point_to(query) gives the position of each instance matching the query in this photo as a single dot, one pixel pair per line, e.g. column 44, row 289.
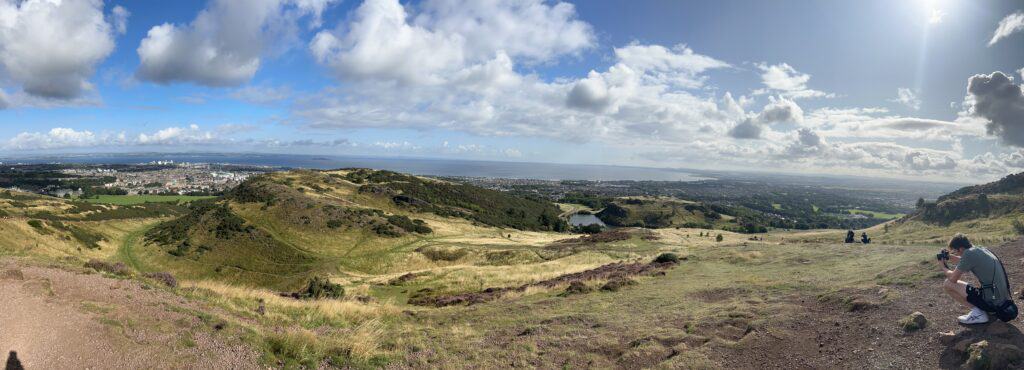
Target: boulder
column 947, row 338
column 998, row 328
column 985, row 355
column 916, row 321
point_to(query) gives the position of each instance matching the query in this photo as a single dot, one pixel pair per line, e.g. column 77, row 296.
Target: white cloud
column 1011, row 24
column 384, row 42
column 119, row 16
column 788, row 82
column 908, row 98
column 51, row 48
column 778, row 110
column 176, row 136
column 224, row 45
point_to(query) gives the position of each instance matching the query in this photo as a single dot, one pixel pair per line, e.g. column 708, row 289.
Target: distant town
column 157, row 177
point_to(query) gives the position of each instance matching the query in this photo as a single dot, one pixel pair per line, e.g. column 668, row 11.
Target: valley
column 438, row 273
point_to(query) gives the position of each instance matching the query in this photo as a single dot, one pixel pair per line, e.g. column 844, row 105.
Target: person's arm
column 953, row 275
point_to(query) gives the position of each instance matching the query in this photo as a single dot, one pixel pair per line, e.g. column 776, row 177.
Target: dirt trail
column 54, row 319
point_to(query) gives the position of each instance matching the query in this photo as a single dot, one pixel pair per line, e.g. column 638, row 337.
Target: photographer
column 993, row 296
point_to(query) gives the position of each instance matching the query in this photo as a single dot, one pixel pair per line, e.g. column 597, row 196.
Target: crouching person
column 992, row 297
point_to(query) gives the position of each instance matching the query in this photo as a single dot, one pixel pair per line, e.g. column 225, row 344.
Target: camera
column 943, row 255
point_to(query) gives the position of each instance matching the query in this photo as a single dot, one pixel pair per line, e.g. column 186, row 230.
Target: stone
column 985, row 355
column 998, row 328
column 916, row 321
column 962, row 345
column 947, row 338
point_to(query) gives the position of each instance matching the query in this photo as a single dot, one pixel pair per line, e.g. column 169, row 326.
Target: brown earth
column 53, row 318
column 830, row 334
column 618, row 271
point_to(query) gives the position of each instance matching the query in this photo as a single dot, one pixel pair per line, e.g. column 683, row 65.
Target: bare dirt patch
column 618, row 271
column 54, row 318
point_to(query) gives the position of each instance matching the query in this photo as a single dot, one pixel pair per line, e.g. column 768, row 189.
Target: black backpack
column 1006, row 311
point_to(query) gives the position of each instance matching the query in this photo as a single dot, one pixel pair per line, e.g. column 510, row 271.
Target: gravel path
column 57, row 319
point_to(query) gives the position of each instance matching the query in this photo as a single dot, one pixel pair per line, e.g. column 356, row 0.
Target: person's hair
column 959, row 241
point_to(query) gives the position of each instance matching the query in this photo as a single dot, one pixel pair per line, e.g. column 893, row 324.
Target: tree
column 920, row 203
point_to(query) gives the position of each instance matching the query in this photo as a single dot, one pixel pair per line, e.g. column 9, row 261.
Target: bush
column 615, row 284
column 38, row 225
column 164, row 277
column 667, row 258
column 1018, row 226
column 591, row 229
column 319, row 287
column 113, row 268
column 719, row 238
column 576, row 287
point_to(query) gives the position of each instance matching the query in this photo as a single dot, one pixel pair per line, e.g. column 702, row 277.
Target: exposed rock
column 947, row 338
column 916, row 321
column 998, row 328
column 985, row 355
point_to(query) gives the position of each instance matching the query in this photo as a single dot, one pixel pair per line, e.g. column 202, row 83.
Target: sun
column 934, row 11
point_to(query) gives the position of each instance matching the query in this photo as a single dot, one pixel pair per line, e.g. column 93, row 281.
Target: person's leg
column 957, row 291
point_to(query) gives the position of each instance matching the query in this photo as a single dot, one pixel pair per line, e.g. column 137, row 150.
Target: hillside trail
column 53, row 318
column 832, row 335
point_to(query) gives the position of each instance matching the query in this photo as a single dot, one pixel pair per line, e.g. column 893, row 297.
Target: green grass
column 125, row 200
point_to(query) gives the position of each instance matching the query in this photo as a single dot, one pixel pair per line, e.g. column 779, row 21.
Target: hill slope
column 1004, row 197
column 278, row 230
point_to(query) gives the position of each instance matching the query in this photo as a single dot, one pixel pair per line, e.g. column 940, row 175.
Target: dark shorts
column 974, row 298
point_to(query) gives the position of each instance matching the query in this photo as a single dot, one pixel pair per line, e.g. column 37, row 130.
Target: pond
column 584, row 220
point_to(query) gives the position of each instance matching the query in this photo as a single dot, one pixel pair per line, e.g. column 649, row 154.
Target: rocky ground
column 866, row 332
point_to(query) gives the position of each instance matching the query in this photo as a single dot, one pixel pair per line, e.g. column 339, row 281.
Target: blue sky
column 869, row 87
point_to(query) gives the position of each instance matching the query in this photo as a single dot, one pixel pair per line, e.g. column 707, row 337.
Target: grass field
column 124, row 200
column 876, row 214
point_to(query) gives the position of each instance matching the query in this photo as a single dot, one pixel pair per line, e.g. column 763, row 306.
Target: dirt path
column 54, row 318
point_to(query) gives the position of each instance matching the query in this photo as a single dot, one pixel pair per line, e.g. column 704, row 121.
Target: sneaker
column 976, row 316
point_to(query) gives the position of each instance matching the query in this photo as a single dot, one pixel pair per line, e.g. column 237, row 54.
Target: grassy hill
column 430, row 273
column 995, row 200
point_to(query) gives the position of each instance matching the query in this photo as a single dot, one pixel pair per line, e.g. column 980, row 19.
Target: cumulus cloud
column 1011, row 24
column 997, row 99
column 778, row 110
column 384, row 42
column 224, row 44
column 51, row 48
column 908, row 98
column 787, row 81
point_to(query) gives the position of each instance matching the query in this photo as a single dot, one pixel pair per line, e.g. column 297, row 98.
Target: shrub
column 667, row 258
column 591, row 229
column 36, row 224
column 117, row 268
column 719, row 238
column 615, row 284
column 320, row 287
column 164, row 277
column 1018, row 226
column 576, row 287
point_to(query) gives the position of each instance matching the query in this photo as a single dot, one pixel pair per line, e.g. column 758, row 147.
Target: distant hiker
column 864, row 238
column 993, row 296
column 849, row 236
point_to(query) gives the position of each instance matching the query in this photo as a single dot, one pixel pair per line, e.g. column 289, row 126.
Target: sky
column 924, row 89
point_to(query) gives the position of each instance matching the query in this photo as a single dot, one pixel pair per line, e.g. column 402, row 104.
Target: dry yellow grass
column 288, row 310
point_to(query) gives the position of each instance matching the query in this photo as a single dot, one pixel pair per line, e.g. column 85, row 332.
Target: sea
column 417, row 166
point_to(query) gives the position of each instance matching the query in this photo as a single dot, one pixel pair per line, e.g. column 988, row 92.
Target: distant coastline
column 418, row 166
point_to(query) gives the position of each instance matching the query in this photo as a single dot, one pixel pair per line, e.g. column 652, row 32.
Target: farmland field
column 137, row 199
